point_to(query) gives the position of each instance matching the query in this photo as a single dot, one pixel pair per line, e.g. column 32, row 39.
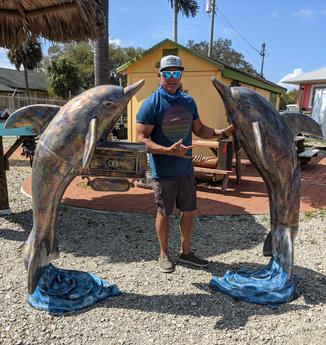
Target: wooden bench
column 215, row 173
column 306, row 155
column 223, row 150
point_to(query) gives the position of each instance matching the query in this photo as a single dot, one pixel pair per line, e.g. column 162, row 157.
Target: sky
column 293, row 30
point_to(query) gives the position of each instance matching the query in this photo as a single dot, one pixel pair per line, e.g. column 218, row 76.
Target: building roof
column 318, row 75
column 227, row 70
column 56, row 20
column 13, row 79
column 5, row 88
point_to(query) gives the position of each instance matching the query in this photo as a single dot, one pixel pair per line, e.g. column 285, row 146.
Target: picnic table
column 304, row 154
column 21, row 133
column 223, row 150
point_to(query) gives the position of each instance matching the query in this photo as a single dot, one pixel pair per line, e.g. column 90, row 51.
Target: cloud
column 4, row 62
column 115, row 41
column 304, row 13
column 275, row 15
column 295, row 73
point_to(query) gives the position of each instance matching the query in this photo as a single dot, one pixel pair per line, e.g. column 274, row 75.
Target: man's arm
column 143, row 133
column 205, row 132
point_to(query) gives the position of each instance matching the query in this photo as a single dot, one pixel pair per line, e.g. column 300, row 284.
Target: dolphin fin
column 90, row 143
column 37, row 261
column 37, row 115
column 300, row 123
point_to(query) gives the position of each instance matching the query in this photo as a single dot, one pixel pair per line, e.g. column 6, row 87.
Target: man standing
column 165, row 123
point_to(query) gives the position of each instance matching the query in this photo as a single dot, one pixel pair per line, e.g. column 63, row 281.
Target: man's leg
column 162, row 231
column 165, row 194
column 187, row 204
column 186, row 227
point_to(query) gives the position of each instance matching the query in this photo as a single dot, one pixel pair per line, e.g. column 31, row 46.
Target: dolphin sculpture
column 269, row 144
column 65, row 148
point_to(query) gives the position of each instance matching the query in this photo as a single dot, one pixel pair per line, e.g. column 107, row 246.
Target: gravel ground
column 156, row 308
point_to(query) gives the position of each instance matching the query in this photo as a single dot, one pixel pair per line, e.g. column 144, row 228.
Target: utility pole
column 262, row 54
column 175, row 20
column 210, row 8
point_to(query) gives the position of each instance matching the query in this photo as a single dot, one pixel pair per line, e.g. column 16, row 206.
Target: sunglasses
column 168, row 74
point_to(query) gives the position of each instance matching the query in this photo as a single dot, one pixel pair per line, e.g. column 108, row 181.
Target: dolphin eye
column 107, row 103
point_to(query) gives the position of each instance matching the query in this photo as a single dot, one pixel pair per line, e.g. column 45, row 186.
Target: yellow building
column 196, row 80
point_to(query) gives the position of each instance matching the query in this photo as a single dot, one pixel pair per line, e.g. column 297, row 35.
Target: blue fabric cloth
column 171, row 97
column 172, row 117
column 60, row 291
column 269, row 285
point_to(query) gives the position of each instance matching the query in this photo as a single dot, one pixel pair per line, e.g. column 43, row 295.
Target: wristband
column 223, row 134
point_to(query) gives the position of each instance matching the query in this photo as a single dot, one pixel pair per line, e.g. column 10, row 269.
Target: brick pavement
column 250, row 197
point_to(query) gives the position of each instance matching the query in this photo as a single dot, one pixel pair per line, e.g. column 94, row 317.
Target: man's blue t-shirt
column 171, row 116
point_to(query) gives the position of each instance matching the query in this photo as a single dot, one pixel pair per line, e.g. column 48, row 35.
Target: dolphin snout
column 130, row 90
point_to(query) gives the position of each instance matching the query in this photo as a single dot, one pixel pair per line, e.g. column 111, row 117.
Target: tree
column 29, row 55
column 101, row 57
column 288, row 98
column 187, row 8
column 119, row 56
column 222, row 50
column 82, row 56
column 63, row 77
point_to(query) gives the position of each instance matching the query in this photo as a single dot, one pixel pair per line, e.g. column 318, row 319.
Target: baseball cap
column 170, row 61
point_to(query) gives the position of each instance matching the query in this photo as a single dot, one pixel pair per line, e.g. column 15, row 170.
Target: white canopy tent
column 319, row 109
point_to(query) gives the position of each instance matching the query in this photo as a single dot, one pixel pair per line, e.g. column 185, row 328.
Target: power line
column 233, row 28
column 259, row 33
column 249, row 21
column 233, row 34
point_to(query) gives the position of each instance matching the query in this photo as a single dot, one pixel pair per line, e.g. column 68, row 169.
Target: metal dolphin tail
column 300, row 123
column 37, row 115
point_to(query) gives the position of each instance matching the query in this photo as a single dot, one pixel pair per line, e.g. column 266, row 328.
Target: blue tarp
column 60, row 291
column 269, row 285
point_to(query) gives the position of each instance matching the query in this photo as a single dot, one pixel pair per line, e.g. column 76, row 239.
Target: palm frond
column 56, row 20
column 186, row 7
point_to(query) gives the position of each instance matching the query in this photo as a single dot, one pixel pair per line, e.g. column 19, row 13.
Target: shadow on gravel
column 230, row 314
column 132, row 238
column 25, row 221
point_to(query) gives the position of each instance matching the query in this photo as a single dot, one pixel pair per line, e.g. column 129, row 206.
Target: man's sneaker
column 193, row 260
column 165, row 264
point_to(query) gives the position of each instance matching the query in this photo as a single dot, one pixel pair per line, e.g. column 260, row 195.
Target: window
column 273, row 98
column 165, row 52
column 171, row 51
column 316, row 92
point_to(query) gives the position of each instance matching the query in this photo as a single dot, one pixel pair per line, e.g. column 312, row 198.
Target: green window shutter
column 273, row 98
column 171, row 51
column 165, row 52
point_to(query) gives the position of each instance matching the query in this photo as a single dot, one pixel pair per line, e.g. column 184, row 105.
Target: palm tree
column 187, row 8
column 101, row 56
column 28, row 54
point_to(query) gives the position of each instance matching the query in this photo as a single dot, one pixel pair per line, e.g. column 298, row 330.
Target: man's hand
column 179, row 150
column 229, row 130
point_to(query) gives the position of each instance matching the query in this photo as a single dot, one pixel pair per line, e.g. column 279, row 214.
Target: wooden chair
column 223, row 151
